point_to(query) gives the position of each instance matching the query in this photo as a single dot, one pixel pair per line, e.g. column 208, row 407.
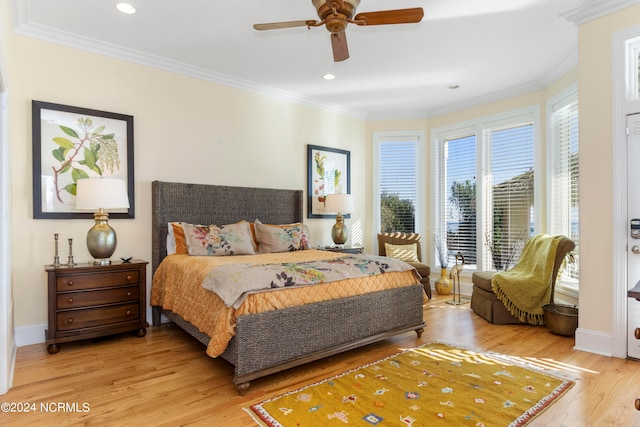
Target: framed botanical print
column 72, row 143
column 329, row 172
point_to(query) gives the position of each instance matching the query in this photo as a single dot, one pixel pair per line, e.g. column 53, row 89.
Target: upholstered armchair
column 407, row 247
column 536, row 251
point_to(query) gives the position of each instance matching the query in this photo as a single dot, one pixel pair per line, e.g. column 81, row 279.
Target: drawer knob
column 128, row 293
column 70, row 300
column 70, row 320
column 128, row 312
column 637, row 404
column 636, row 333
column 129, row 278
column 70, row 283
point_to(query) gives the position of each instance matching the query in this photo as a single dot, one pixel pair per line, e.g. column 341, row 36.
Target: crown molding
column 596, row 9
column 26, row 28
column 566, row 65
column 579, row 15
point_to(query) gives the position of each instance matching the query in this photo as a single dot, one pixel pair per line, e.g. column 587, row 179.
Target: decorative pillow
column 176, row 243
column 281, row 238
column 406, row 253
column 230, row 239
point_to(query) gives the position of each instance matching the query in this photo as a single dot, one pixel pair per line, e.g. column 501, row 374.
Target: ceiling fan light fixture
column 324, row 7
column 318, row 3
column 126, row 8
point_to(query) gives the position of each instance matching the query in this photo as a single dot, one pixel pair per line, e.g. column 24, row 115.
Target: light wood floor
column 165, row 378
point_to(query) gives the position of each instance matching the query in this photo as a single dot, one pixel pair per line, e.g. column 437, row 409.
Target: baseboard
column 27, row 335
column 586, row 340
column 594, row 342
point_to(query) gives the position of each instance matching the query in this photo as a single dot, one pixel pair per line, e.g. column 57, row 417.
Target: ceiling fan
column 337, row 14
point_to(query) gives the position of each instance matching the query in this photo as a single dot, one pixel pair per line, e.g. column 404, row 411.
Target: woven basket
column 561, row 319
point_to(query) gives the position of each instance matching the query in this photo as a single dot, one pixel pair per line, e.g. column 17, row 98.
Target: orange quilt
column 177, row 286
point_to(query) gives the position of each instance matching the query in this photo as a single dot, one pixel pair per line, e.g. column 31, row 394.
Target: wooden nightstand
column 344, row 249
column 89, row 301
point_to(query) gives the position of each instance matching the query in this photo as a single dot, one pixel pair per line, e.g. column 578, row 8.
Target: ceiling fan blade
column 279, row 25
column 339, row 45
column 384, row 17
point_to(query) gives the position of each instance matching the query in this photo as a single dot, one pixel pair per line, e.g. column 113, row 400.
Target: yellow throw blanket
column 527, row 287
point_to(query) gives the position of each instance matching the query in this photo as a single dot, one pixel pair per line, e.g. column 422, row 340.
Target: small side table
column 90, row 301
column 344, row 249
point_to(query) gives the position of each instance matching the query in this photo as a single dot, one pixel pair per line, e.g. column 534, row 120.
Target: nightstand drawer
column 74, row 282
column 91, row 317
column 105, row 296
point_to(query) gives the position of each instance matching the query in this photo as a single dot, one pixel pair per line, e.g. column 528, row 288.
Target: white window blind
column 508, row 208
column 633, row 70
column 459, row 176
column 565, row 175
column 398, row 189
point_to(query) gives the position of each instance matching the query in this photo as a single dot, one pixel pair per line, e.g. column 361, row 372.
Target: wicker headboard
column 215, row 204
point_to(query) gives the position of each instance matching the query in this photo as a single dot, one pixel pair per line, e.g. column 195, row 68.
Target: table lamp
column 99, row 194
column 339, row 204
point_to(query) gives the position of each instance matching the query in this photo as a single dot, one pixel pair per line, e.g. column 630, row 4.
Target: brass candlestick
column 70, row 262
column 56, row 258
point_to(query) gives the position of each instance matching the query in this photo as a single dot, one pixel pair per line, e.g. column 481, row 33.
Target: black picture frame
column 333, row 160
column 66, row 146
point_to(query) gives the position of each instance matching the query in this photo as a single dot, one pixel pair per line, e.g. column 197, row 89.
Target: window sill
column 567, row 292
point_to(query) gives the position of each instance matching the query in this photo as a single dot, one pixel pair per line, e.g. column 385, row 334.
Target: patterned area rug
column 431, row 385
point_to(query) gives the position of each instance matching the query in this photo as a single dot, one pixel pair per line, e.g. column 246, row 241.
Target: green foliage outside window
column 396, row 214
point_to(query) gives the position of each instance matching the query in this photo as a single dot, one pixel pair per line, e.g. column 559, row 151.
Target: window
column 484, row 190
column 459, row 201
column 397, row 181
column 633, row 68
column 563, row 182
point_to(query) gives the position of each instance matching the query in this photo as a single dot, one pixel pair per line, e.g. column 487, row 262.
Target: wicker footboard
column 273, row 341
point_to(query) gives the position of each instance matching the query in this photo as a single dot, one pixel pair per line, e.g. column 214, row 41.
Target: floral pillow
column 213, row 240
column 281, row 238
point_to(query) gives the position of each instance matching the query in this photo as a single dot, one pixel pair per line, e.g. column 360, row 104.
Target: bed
column 266, row 342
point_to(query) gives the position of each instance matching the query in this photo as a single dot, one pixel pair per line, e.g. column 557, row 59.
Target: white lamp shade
column 101, row 193
column 338, row 203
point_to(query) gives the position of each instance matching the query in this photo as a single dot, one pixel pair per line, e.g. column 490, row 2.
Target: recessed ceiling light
column 127, row 8
column 328, row 76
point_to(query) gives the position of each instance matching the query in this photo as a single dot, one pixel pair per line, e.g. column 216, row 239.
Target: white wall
column 186, row 130
column 600, row 200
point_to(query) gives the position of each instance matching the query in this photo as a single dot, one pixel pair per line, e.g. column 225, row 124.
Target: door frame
column 7, row 330
column 621, row 108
